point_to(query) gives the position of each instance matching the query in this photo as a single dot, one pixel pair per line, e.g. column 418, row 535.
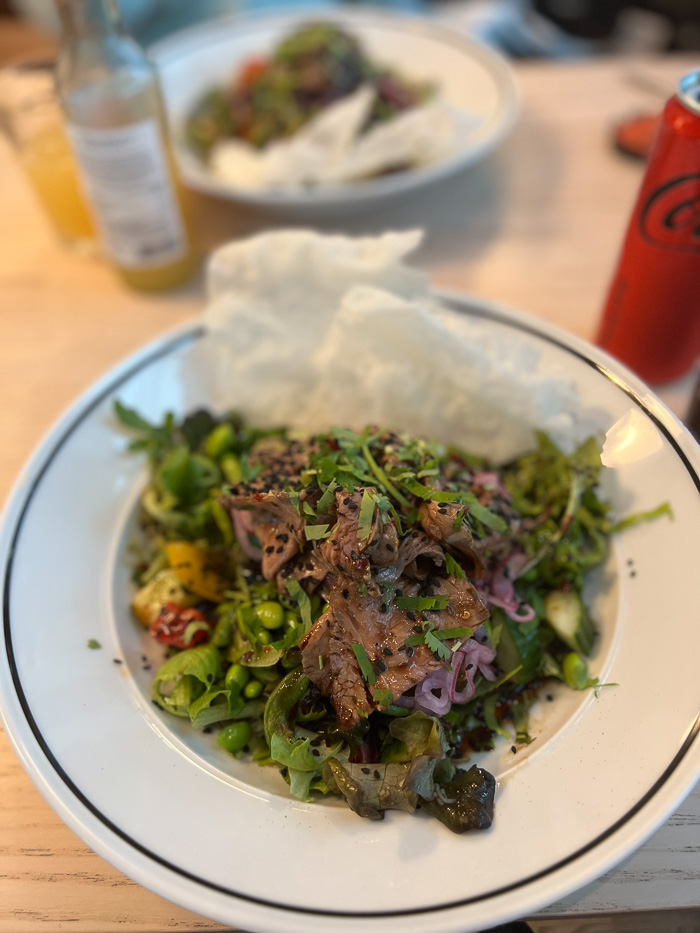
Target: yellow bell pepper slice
column 198, row 569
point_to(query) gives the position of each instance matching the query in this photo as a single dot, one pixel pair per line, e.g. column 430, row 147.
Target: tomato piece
column 170, row 628
column 251, row 71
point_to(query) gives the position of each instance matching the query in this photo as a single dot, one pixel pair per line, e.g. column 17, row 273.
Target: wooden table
column 536, row 226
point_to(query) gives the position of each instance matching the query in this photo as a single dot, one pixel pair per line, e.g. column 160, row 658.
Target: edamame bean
column 264, row 637
column 252, row 689
column 219, row 441
column 271, row 614
column 236, row 676
column 235, row 737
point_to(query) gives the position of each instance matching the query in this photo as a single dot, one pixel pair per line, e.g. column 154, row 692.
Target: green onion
column 364, row 523
column 365, row 666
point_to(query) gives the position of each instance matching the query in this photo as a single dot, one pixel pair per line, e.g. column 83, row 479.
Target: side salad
column 271, row 98
column 364, row 611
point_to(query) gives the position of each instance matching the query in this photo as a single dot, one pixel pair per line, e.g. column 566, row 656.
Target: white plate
column 222, row 837
column 469, row 75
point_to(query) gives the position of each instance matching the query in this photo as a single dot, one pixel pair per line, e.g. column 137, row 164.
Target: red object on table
column 651, row 320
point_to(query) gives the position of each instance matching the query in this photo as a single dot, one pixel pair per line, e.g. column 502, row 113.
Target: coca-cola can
column 651, row 319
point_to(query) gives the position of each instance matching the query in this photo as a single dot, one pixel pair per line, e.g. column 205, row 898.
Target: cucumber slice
column 566, row 614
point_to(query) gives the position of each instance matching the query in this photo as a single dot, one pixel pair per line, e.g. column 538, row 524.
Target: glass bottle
column 116, row 122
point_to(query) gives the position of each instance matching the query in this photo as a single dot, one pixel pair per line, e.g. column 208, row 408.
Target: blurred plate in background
column 468, row 75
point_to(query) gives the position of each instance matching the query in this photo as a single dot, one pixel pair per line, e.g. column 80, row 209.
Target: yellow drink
column 49, row 164
column 116, row 123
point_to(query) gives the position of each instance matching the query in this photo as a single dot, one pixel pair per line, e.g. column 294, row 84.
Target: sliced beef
column 418, row 556
column 275, row 523
column 345, row 553
column 381, row 629
column 439, row 520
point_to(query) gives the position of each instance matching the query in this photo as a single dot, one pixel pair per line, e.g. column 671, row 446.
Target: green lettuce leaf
column 421, row 734
column 185, row 677
column 371, row 789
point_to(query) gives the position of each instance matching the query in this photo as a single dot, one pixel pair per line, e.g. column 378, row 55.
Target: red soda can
column 651, row 320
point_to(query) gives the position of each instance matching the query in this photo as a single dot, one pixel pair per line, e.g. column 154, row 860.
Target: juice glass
column 31, row 119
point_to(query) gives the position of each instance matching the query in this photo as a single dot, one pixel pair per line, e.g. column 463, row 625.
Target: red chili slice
column 171, row 625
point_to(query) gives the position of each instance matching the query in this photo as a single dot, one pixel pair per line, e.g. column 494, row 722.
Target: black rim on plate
column 174, row 345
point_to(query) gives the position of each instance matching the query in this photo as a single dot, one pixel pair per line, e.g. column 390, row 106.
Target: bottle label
column 128, row 181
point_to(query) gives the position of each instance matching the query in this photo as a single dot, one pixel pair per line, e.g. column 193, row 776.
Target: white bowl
column 469, row 75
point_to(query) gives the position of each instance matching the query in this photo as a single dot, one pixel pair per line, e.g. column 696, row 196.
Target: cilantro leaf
column 316, row 532
column 436, row 646
column 453, row 567
column 422, row 603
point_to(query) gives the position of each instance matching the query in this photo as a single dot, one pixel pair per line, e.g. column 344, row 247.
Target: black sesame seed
column 284, row 538
column 411, row 615
column 513, row 749
column 270, row 549
column 417, row 629
column 315, row 751
column 146, row 667
column 409, row 651
column 379, row 666
column 119, row 661
column 364, row 770
column 550, row 697
column 346, row 594
column 469, row 667
column 346, row 500
column 353, row 506
column 206, row 730
column 376, row 774
column 210, row 677
column 389, row 547
column 388, row 652
column 279, row 549
column 382, row 608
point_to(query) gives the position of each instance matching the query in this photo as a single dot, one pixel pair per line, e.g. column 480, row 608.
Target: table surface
column 536, row 226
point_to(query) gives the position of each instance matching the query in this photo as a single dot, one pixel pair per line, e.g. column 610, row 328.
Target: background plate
column 469, row 75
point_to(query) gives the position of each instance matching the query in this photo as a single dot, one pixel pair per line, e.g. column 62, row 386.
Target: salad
column 312, row 68
column 364, row 611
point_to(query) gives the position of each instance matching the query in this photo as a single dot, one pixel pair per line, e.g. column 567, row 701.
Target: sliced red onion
column 243, row 527
column 500, row 591
column 425, row 697
column 471, row 657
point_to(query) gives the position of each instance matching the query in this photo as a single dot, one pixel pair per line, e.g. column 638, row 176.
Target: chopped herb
column 365, row 665
column 487, row 517
column 436, row 646
column 383, row 697
column 302, row 599
column 316, row 532
column 94, row 644
column 453, row 567
column 364, row 522
column 423, row 603
column 327, row 499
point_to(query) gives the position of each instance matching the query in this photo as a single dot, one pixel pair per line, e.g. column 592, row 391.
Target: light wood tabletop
column 536, row 226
